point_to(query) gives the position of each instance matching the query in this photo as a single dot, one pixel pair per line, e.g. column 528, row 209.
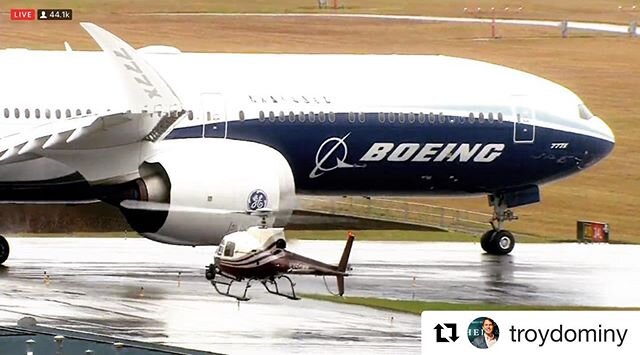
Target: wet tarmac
column 131, row 288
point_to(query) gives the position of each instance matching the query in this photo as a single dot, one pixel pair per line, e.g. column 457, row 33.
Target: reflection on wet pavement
column 143, row 290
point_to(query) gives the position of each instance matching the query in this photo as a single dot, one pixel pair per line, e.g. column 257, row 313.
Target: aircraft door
column 213, row 115
column 524, row 129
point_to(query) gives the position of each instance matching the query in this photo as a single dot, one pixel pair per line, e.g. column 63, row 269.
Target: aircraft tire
column 485, row 241
column 4, row 249
column 502, row 242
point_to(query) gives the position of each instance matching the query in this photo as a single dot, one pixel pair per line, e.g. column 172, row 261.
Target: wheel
column 4, row 250
column 485, row 241
column 501, row 243
column 210, row 272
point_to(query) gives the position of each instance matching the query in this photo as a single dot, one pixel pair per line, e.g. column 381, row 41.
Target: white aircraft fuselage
column 255, row 129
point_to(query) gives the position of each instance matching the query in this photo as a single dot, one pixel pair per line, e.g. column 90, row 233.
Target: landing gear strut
column 4, row 250
column 498, row 241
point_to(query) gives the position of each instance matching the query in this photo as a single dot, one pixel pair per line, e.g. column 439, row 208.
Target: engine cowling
column 196, row 176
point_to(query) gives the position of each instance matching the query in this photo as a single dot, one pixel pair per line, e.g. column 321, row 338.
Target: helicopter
column 255, row 254
column 259, row 254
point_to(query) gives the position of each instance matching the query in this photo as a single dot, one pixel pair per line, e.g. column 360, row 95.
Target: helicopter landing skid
column 273, row 281
column 222, row 283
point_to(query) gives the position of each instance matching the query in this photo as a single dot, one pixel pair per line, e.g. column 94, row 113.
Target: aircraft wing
column 151, row 111
column 93, row 131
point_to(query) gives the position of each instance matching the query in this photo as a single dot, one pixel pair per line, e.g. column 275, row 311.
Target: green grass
column 416, row 307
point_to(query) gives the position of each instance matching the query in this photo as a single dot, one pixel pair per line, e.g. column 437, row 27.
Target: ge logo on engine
column 257, row 200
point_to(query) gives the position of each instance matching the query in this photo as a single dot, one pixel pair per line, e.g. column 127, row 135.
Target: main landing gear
column 4, row 250
column 498, row 241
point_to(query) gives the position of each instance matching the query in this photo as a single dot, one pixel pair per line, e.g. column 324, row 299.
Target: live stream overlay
column 41, row 14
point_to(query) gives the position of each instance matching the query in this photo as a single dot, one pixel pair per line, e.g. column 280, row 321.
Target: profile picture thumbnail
column 483, row 332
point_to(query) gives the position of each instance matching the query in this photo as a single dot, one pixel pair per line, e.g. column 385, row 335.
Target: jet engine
column 207, row 188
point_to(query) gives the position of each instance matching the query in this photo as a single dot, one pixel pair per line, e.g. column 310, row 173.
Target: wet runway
column 568, row 274
column 130, row 288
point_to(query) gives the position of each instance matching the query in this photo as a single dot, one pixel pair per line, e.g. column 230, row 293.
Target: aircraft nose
column 600, row 147
column 609, row 139
column 604, row 130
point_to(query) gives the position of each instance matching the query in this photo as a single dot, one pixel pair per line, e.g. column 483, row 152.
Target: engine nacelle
column 203, row 181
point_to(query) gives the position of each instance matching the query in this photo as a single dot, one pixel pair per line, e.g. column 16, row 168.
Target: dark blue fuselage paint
column 325, row 157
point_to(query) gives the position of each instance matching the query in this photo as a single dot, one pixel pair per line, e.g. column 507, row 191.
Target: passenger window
column 472, row 119
column 401, row 117
column 47, row 113
column 37, row 112
column 500, row 117
column 442, row 118
column 312, row 117
column 352, row 117
column 421, row 117
column 27, row 114
column 292, row 116
column 272, row 116
column 261, row 116
column 58, row 114
column 78, row 112
column 6, row 113
column 481, row 117
column 301, row 117
column 362, row 118
column 190, row 115
column 490, row 117
column 332, row 117
column 16, row 113
column 89, row 112
column 381, row 117
column 281, row 117
column 432, row 118
column 321, row 117
column 68, row 113
column 391, row 117
column 412, row 118
column 241, row 115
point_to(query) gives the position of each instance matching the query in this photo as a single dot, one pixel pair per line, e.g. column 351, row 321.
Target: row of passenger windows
column 382, row 117
column 352, row 117
column 46, row 113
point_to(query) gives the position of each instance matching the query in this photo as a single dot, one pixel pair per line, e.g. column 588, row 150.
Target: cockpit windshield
column 585, row 114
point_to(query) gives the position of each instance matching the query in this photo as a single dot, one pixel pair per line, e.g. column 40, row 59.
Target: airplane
column 250, row 131
column 259, row 254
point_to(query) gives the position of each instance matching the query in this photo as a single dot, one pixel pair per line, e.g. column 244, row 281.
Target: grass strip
column 416, row 307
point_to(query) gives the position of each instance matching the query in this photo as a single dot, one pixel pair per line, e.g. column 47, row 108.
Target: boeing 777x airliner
column 199, row 132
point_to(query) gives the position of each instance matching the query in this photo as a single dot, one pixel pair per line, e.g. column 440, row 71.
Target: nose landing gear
column 498, row 241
